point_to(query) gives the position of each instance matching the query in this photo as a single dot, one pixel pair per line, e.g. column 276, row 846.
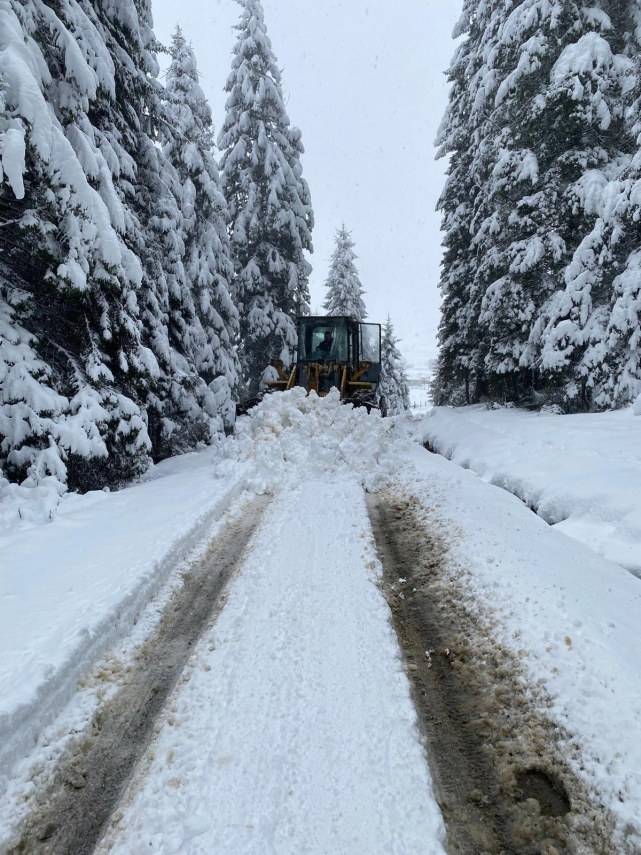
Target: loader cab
column 340, row 341
column 334, row 353
column 324, row 340
column 338, row 353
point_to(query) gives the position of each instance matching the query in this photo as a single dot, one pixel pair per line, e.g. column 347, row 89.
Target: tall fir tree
column 590, row 86
column 601, row 310
column 269, row 201
column 393, row 390
column 68, row 279
column 188, row 146
column 180, row 407
column 539, row 92
column 344, row 290
column 459, row 373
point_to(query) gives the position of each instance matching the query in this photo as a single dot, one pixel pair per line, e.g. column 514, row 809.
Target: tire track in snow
column 501, row 779
column 72, row 815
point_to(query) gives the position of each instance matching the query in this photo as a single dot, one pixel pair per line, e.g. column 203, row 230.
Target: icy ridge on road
column 295, row 731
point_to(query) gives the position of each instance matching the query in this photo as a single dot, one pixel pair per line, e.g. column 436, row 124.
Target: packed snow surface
column 580, row 473
column 295, row 731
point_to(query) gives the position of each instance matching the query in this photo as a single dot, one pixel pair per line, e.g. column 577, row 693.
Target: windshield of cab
column 323, row 340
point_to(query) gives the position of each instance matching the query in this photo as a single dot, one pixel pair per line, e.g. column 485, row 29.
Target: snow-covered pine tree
column 539, row 94
column 344, row 290
column 393, row 390
column 617, row 372
column 178, row 402
column 149, row 189
column 269, row 201
column 188, row 146
column 68, row 280
column 459, row 376
column 590, row 88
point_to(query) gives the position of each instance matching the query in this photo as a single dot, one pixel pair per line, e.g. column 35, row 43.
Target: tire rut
column 73, row 813
column 499, row 771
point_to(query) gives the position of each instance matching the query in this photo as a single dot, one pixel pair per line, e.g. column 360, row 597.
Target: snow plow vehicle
column 335, row 353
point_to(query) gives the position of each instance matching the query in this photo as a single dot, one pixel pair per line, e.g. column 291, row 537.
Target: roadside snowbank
column 22, row 505
column 70, row 589
column 580, row 473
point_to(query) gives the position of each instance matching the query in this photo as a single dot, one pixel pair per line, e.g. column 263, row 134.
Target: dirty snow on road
column 294, row 729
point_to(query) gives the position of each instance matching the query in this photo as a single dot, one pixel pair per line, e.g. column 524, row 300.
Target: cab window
column 370, row 342
column 316, row 345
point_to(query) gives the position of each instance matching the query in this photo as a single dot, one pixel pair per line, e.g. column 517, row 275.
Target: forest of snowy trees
column 147, row 280
column 141, row 292
column 542, row 207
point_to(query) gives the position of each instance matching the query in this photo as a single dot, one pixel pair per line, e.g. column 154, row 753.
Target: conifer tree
column 68, row 280
column 590, row 84
column 539, row 92
column 269, row 201
column 188, row 146
column 150, row 189
column 181, row 409
column 616, row 352
column 393, row 390
column 344, row 290
column 459, row 376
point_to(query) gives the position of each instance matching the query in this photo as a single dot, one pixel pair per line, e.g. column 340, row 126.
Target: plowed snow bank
column 580, row 473
column 70, row 588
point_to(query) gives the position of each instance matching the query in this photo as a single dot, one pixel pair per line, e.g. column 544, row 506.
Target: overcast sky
column 364, row 81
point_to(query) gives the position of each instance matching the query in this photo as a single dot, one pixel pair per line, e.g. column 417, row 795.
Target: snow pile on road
column 580, row 473
column 290, row 436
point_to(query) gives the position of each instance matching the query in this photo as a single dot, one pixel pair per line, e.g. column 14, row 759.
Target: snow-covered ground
column 420, row 399
column 581, row 473
column 71, row 587
column 304, row 645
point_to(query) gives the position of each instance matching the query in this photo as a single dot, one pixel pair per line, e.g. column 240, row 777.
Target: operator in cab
column 325, row 346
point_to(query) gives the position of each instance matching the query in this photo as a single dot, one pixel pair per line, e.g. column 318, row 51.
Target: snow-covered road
column 295, row 731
